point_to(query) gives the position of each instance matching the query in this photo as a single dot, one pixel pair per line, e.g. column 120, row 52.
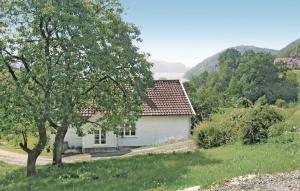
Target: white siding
column 73, row 139
column 157, row 129
column 150, row 130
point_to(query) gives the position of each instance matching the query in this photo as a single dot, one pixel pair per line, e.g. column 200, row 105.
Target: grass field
column 157, row 172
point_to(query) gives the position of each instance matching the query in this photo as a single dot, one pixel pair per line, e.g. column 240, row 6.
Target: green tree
column 70, row 55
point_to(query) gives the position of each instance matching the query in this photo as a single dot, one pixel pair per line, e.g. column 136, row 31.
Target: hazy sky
column 188, row 31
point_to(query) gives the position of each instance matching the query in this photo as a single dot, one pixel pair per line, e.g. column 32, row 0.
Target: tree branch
column 26, row 65
column 53, row 124
column 94, row 85
column 24, row 144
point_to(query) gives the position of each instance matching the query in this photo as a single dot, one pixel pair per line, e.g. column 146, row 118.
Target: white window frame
column 98, row 139
column 124, row 129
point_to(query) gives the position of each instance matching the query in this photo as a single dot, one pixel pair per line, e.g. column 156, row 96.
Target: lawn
column 157, row 172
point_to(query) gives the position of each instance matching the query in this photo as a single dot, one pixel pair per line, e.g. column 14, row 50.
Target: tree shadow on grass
column 145, row 172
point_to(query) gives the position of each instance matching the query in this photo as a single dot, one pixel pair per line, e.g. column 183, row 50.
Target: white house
column 166, row 115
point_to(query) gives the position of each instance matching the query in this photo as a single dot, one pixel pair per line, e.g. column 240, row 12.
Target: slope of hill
column 210, row 64
column 291, row 50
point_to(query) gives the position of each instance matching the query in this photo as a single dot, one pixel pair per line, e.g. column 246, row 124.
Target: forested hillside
column 291, row 50
column 210, row 64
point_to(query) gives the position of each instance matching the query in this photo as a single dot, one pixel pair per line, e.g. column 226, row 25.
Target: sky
column 189, row 31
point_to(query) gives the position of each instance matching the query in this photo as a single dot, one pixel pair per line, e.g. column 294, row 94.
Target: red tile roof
column 166, row 98
column 88, row 112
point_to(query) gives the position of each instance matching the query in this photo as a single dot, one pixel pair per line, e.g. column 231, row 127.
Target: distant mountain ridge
column 167, row 67
column 210, row 64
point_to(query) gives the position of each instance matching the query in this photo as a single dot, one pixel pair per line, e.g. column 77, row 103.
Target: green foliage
column 244, row 102
column 217, row 131
column 280, row 103
column 71, row 55
column 291, row 50
column 250, row 125
column 213, row 134
column 263, row 100
column 205, row 101
column 255, row 123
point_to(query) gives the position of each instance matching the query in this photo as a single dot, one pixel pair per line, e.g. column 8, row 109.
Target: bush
column 212, row 135
column 244, row 102
column 217, row 131
column 281, row 103
column 263, row 100
column 251, row 125
column 282, row 133
column 255, row 123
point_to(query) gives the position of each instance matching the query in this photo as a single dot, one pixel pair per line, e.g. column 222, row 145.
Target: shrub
column 251, row 125
column 244, row 102
column 255, row 123
column 263, row 100
column 213, row 135
column 217, row 131
column 281, row 103
column 282, row 132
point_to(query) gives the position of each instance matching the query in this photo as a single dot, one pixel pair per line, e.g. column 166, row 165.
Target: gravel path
column 289, row 181
column 20, row 159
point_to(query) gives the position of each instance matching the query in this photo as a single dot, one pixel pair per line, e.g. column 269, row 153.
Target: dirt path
column 20, row 159
column 289, row 181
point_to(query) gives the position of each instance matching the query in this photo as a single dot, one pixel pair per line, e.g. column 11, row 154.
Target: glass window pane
column 127, row 132
column 103, row 137
column 133, row 130
column 96, row 137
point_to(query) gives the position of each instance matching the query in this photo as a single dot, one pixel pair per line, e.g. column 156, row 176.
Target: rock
column 288, row 181
column 194, row 188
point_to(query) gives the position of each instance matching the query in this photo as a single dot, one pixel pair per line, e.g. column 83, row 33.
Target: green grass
column 157, row 172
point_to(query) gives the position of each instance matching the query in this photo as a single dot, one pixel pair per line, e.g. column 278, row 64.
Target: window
column 127, row 131
column 103, row 137
column 96, row 137
column 99, row 138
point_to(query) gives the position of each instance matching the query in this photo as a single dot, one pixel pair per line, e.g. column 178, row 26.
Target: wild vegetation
column 240, row 81
column 291, row 50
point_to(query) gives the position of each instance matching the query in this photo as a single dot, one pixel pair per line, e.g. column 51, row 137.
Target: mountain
column 210, row 64
column 291, row 50
column 167, row 67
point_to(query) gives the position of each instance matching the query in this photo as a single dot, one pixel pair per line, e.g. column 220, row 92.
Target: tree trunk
column 36, row 151
column 58, row 145
column 31, row 161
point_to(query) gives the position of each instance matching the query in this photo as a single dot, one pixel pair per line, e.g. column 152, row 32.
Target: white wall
column 157, row 129
column 73, row 139
column 150, row 130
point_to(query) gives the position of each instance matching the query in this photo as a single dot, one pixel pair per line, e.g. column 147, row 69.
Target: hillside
column 291, row 50
column 210, row 63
